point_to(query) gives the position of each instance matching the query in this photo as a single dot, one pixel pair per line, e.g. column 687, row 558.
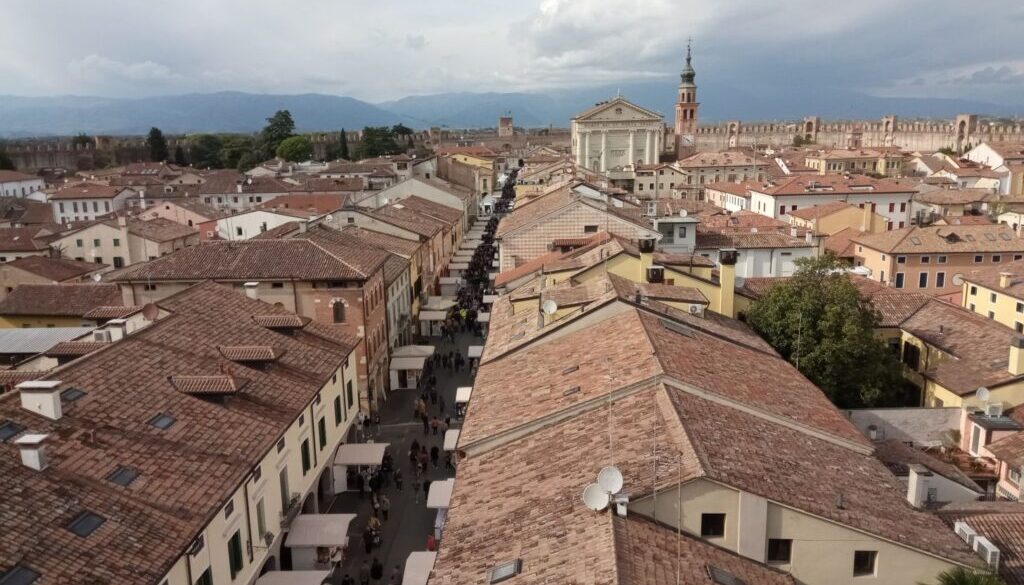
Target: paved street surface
column 409, row 521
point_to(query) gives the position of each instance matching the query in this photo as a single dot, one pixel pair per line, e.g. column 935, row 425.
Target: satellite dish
column 549, row 307
column 329, row 218
column 983, row 394
column 610, row 479
column 150, row 312
column 595, row 498
column 958, row 279
column 97, row 277
column 682, row 213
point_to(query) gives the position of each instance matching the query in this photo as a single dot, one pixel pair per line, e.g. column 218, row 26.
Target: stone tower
column 505, row 126
column 686, row 110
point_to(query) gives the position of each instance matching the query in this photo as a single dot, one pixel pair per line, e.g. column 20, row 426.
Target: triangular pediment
column 618, row 109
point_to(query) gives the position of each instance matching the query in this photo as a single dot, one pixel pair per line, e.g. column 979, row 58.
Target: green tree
column 157, row 145
column 964, row 576
column 179, row 156
column 401, row 130
column 6, row 164
column 234, row 147
column 249, row 160
column 295, row 149
column 279, row 126
column 818, row 321
column 377, row 141
column 205, row 149
column 947, row 151
column 409, row 145
column 343, row 145
column 800, row 140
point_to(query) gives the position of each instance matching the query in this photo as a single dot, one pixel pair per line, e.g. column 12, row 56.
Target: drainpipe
column 312, row 432
column 248, row 517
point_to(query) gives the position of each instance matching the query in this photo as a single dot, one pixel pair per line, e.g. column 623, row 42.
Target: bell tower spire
column 686, row 108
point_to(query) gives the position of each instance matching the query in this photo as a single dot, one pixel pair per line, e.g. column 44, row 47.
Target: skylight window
column 724, row 577
column 571, row 391
column 506, row 571
column 9, row 429
column 19, row 575
column 123, row 476
column 677, row 328
column 162, row 421
column 72, row 394
column 86, row 523
column 570, row 369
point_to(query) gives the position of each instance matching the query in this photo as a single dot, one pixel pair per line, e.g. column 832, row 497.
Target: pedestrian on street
column 376, row 570
column 385, row 506
column 364, row 573
column 448, row 464
column 359, row 484
column 434, row 453
column 416, row 494
column 375, row 503
column 435, row 423
column 368, row 540
column 374, row 523
column 396, row 576
column 398, row 479
column 426, row 424
column 443, row 425
column 431, row 542
column 426, row 487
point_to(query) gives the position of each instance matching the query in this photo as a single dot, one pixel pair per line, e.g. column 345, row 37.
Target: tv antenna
column 597, row 496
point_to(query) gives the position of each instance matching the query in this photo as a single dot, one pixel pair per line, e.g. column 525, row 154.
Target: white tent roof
column 488, row 299
column 440, row 494
column 450, row 280
column 483, row 317
column 293, row 578
column 433, row 315
column 413, row 351
column 439, row 303
column 451, row 439
column 492, row 275
column 418, row 567
column 475, row 351
column 319, row 530
column 360, row 454
column 407, row 363
column 459, row 266
column 462, row 393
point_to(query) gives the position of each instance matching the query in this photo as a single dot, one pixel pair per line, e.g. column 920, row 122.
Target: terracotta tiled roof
column 988, row 277
column 953, row 196
column 407, row 219
column 284, row 230
column 659, row 291
column 749, row 240
column 22, row 239
column 1009, row 449
column 317, row 203
column 965, row 220
column 280, row 321
column 86, row 191
column 535, row 209
column 55, row 269
column 382, row 241
column 59, row 300
column 443, row 213
column 160, row 229
column 835, row 185
column 74, row 348
column 249, row 353
column 841, row 242
column 19, row 210
column 819, row 211
column 720, row 159
column 203, row 385
column 964, row 239
column 13, row 176
column 899, row 456
column 1000, row 522
column 186, row 472
column 345, row 184
column 300, row 258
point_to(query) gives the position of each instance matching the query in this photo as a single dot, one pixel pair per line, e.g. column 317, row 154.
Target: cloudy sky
column 383, row 49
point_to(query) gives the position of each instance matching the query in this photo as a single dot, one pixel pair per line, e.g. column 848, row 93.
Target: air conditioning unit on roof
column 987, row 551
column 994, row 409
column 965, row 532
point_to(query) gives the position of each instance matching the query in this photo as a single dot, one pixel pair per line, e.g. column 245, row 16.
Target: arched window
column 339, row 311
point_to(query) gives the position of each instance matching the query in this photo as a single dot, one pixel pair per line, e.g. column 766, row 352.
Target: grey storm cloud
column 384, row 50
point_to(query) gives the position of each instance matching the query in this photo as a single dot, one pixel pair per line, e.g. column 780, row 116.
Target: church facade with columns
column 615, row 134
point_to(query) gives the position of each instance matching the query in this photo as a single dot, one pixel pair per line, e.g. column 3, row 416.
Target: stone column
column 581, row 155
column 604, row 147
column 656, row 155
column 648, row 147
column 632, row 154
column 586, row 149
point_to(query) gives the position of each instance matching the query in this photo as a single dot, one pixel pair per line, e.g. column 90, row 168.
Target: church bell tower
column 686, row 110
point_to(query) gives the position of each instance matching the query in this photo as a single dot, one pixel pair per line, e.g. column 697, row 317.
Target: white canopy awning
column 462, row 393
column 440, row 494
column 451, row 439
column 489, row 299
column 319, row 530
column 418, row 567
column 450, row 280
column 483, row 317
column 433, row 315
column 407, row 363
column 459, row 266
column 475, row 351
column 293, row 578
column 491, row 276
column 360, row 454
column 469, row 245
column 413, row 351
column 439, row 303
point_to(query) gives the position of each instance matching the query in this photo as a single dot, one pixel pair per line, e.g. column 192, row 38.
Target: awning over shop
column 439, row 303
column 360, row 454
column 459, row 266
column 451, row 439
column 433, row 315
column 319, row 530
column 410, row 357
column 483, row 317
column 475, row 351
column 407, row 363
column 440, row 494
column 293, row 578
column 418, row 567
column 462, row 393
column 450, row 280
column 490, row 299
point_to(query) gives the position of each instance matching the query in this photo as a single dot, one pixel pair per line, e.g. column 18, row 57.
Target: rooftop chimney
column 918, row 481
column 33, row 451
column 727, row 281
column 1016, row 365
column 303, row 227
column 251, row 290
column 1005, row 279
column 41, row 397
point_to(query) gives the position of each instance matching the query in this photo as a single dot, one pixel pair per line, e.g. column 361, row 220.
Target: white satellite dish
column 329, row 218
column 97, row 277
column 682, row 213
column 983, row 394
column 610, row 479
column 958, row 279
column 549, row 307
column 595, row 498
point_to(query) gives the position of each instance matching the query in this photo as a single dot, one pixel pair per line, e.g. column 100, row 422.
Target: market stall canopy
column 439, row 303
column 293, row 578
column 319, row 530
column 462, row 393
column 411, row 357
column 440, row 494
column 459, row 266
column 475, row 351
column 490, row 299
column 450, row 280
column 433, row 315
column 451, row 439
column 483, row 318
column 360, row 454
column 418, row 567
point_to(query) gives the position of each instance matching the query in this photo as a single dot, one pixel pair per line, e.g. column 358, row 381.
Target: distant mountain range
column 246, row 112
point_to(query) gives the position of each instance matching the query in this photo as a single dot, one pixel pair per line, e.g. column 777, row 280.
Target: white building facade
column 617, row 134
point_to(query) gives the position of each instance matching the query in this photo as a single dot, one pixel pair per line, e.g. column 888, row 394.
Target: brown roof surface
column 407, row 219
column 160, row 229
column 1000, row 522
column 819, row 211
column 382, row 241
column 834, row 185
column 443, row 213
column 1009, row 449
column 535, row 209
column 22, row 211
column 899, row 456
column 112, row 312
column 953, row 196
column 306, row 202
column 74, row 348
column 55, row 269
column 682, row 260
column 86, row 191
column 249, row 353
column 749, row 240
column 303, row 258
column 841, row 242
column 284, row 230
column 346, row 184
column 186, row 472
column 22, row 239
column 741, row 222
column 988, row 277
column 59, row 300
column 664, row 292
column 964, row 239
column 7, row 176
column 980, row 347
column 720, row 159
